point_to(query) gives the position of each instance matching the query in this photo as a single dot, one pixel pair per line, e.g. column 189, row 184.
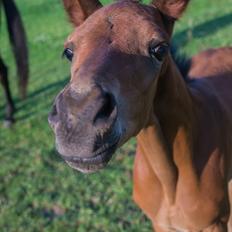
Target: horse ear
column 79, row 10
column 171, row 8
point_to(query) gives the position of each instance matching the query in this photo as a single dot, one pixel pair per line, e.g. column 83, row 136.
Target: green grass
column 38, row 192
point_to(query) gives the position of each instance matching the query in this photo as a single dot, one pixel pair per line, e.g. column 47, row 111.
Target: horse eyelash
column 68, row 53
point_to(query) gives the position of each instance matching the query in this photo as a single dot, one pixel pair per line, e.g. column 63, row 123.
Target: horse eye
column 159, row 51
column 68, row 53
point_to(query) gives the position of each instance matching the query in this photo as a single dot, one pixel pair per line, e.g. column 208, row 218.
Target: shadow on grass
column 33, row 99
column 202, row 30
column 55, row 156
column 50, row 87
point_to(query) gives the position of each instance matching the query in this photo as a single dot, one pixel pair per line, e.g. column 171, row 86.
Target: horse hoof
column 8, row 123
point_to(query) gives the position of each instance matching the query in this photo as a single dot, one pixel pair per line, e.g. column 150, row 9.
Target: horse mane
column 182, row 61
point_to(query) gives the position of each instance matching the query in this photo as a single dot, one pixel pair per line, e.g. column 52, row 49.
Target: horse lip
column 102, row 157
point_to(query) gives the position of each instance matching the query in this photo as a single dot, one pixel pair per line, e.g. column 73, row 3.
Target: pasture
column 38, row 192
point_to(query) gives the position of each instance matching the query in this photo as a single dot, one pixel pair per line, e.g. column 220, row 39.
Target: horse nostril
column 107, row 108
column 54, row 110
column 53, row 116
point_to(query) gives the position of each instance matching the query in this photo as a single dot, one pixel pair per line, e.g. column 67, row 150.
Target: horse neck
column 168, row 139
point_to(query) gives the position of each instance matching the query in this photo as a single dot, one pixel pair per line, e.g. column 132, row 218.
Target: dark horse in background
column 18, row 42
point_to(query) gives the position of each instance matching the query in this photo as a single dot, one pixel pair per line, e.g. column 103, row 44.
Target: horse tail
column 18, row 42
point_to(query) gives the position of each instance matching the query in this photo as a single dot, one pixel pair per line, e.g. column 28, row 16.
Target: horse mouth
column 92, row 164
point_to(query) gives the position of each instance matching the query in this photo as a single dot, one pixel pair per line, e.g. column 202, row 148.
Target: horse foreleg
column 157, row 228
column 229, row 226
column 9, row 101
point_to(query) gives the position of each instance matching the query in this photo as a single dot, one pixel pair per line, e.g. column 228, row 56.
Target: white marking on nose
column 82, row 88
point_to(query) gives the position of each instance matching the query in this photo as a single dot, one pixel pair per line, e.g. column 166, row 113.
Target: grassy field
column 38, row 192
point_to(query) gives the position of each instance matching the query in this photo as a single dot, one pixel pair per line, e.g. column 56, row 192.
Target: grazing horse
column 19, row 45
column 124, row 83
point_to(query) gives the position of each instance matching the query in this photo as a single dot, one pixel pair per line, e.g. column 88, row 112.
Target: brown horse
column 124, row 83
column 19, row 45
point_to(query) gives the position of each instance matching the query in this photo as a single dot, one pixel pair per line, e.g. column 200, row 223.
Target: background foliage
column 38, row 192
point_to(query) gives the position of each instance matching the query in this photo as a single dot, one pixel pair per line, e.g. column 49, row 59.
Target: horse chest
column 148, row 194
column 147, row 190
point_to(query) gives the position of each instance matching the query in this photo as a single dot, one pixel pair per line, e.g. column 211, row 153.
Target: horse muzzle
column 86, row 128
